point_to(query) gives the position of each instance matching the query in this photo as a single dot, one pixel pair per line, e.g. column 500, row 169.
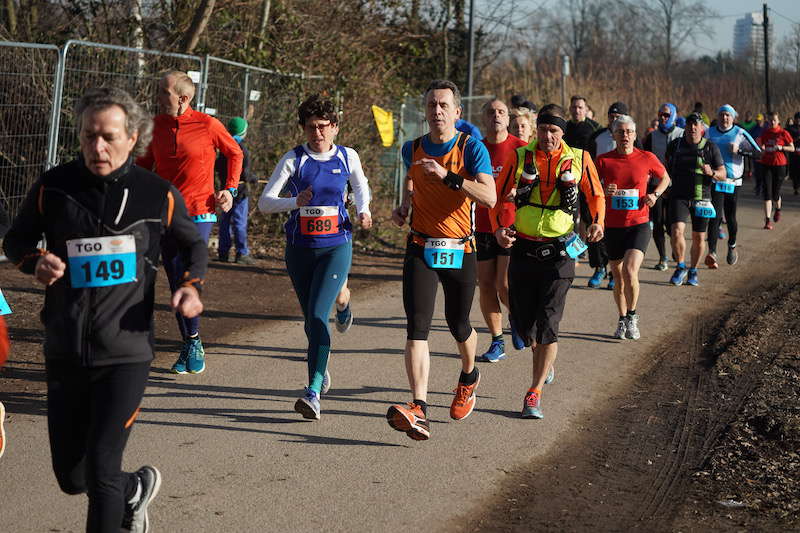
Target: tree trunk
column 198, row 26
column 11, row 18
column 262, row 30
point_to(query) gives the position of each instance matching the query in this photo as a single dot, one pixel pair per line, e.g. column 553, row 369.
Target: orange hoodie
column 183, row 152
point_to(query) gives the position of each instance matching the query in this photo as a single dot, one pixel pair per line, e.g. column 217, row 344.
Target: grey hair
column 136, row 118
column 443, row 84
column 621, row 121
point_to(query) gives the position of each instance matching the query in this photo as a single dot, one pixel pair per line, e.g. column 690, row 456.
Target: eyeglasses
column 320, row 127
column 665, row 115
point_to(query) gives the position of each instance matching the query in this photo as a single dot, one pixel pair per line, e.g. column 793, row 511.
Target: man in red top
column 626, row 172
column 183, row 151
column 774, row 141
column 492, row 258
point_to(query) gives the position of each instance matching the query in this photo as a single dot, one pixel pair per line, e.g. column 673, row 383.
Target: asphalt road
column 235, row 456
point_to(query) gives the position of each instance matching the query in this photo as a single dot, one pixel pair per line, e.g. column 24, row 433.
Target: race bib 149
column 102, row 261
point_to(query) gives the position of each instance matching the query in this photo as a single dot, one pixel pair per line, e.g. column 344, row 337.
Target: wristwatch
column 656, row 194
column 234, row 191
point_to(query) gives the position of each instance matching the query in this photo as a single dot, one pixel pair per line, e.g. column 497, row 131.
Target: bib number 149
column 102, row 261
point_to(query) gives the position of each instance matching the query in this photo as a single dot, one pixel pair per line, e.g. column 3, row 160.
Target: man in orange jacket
column 183, row 151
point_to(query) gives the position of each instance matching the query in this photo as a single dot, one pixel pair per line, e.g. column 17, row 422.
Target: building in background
column 748, row 39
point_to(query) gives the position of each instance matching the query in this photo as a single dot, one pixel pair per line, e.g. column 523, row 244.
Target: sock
column 537, row 391
column 622, row 317
column 693, row 270
column 681, row 265
column 138, row 493
column 777, row 209
column 423, row 406
column 731, row 245
column 497, row 338
column 195, row 336
column 341, row 310
column 631, row 312
column 469, row 379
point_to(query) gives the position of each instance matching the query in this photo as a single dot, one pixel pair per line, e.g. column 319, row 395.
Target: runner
column 656, row 142
column 492, row 259
column 775, row 142
column 794, row 158
column 319, row 239
column 733, row 141
column 693, row 162
column 522, row 122
column 626, row 173
column 447, row 172
column 103, row 218
column 187, row 161
column 542, row 267
column 580, row 127
column 235, row 220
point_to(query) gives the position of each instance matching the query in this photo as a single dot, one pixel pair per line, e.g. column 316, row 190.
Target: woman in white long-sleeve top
column 319, row 246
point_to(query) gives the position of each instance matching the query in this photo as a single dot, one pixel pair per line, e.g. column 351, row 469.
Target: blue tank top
column 324, row 222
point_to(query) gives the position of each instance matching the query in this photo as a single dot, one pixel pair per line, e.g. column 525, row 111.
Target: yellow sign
column 385, row 124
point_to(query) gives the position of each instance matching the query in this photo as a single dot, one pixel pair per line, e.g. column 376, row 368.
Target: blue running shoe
column 344, row 319
column 308, row 405
column 532, row 406
column 679, row 276
column 180, row 365
column 495, row 353
column 722, row 234
column 516, row 340
column 692, row 278
column 611, row 283
column 598, row 276
column 196, row 356
column 551, row 375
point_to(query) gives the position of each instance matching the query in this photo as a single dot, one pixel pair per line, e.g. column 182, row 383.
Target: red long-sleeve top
column 183, row 152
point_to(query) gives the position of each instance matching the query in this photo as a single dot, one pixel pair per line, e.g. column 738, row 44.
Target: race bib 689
column 102, row 261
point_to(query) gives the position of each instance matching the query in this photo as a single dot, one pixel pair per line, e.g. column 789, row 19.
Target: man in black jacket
column 103, row 219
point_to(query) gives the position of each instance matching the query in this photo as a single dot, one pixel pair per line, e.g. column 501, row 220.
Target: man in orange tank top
column 447, row 172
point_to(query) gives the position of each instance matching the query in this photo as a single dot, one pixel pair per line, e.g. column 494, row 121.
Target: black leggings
column 774, row 176
column 727, row 202
column 90, row 412
column 419, row 294
column 660, row 219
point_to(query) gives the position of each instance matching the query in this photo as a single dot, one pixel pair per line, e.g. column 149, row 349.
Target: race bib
column 5, row 309
column 575, row 246
column 444, row 253
column 704, row 209
column 206, row 217
column 319, row 220
column 725, row 186
column 625, row 199
column 102, row 261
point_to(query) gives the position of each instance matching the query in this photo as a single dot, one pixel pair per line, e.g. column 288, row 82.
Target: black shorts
column 680, row 210
column 773, row 179
column 537, row 293
column 620, row 240
column 488, row 248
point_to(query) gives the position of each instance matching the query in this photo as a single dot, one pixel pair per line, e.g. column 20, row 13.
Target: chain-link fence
column 28, row 74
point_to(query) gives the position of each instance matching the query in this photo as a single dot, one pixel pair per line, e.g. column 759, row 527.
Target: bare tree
column 679, row 21
column 198, row 26
column 262, row 29
column 11, row 17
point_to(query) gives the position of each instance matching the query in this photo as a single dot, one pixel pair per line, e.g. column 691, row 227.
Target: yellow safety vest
column 538, row 221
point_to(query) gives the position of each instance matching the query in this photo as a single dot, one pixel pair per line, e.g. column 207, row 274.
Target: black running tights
column 723, row 202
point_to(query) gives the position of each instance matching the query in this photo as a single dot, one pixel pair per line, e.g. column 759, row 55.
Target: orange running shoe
column 410, row 419
column 464, row 402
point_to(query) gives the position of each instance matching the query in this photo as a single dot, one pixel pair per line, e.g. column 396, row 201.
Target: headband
column 552, row 119
column 727, row 108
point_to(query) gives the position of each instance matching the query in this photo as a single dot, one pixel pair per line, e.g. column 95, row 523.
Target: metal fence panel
column 135, row 70
column 28, row 84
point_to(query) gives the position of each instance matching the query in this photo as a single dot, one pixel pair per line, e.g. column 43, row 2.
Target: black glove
column 569, row 199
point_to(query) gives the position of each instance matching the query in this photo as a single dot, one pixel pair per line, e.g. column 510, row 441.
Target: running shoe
column 180, row 365
column 516, row 339
column 679, row 276
column 495, row 353
column 410, row 419
column 692, row 278
column 711, row 261
column 611, row 282
column 777, row 217
column 344, row 319
column 464, row 400
column 308, row 405
column 223, row 258
column 196, row 356
column 597, row 278
column 767, row 224
column 245, row 259
column 326, row 382
column 662, row 265
column 532, row 405
column 551, row 375
column 2, row 429
column 733, row 255
column 622, row 329
column 722, row 234
column 135, row 518
column 632, row 327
